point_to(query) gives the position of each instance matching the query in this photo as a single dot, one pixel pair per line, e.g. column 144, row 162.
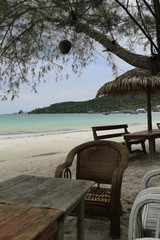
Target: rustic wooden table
column 19, row 222
column 149, row 135
column 44, row 192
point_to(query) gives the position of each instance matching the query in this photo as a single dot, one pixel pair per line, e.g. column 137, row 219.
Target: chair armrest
column 139, row 203
column 60, row 170
column 59, row 173
column 148, row 176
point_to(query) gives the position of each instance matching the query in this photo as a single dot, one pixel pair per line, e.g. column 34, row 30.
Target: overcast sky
column 73, row 89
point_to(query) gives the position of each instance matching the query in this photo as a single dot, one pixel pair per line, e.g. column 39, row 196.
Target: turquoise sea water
column 14, row 124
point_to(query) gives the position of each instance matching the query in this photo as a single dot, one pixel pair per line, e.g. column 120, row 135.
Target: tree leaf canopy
column 30, row 32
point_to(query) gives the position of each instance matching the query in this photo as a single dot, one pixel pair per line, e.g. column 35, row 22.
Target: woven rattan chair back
column 103, row 162
column 98, row 162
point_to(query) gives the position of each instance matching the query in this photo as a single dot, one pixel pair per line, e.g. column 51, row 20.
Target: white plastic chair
column 152, row 210
column 145, row 213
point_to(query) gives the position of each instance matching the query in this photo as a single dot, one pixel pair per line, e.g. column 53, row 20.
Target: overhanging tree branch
column 150, row 9
column 139, row 26
column 134, row 59
column 157, row 21
column 18, row 37
column 143, row 24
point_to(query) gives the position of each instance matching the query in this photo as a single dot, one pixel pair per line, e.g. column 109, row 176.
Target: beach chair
column 145, row 213
column 103, row 162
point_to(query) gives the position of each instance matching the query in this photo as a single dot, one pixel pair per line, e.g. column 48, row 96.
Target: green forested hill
column 103, row 104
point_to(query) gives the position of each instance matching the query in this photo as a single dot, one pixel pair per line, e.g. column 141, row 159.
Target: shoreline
column 43, row 133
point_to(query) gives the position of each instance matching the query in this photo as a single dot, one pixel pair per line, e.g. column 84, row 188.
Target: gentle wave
column 31, row 134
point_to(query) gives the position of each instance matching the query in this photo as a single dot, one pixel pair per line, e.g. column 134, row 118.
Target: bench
column 123, row 129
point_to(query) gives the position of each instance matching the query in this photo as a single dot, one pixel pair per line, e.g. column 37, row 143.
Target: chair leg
column 115, row 222
column 143, row 146
column 115, row 228
column 129, row 147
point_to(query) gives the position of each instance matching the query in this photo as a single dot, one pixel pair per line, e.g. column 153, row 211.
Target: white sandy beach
column 39, row 155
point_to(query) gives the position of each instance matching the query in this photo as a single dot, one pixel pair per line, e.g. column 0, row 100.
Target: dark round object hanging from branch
column 65, row 46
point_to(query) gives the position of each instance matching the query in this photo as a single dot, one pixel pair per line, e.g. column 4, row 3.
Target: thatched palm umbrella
column 134, row 81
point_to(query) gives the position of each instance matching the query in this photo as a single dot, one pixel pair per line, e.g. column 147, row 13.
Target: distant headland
column 106, row 104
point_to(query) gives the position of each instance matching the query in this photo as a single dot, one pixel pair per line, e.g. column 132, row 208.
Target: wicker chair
column 103, row 162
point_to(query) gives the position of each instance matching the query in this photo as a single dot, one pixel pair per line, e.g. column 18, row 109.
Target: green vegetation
column 31, row 30
column 104, row 104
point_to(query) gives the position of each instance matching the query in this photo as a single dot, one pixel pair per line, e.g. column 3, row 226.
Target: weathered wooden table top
column 45, row 192
column 27, row 223
column 30, row 206
column 146, row 134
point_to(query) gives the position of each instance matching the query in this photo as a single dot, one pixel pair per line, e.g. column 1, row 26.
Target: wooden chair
column 103, row 162
column 106, row 132
column 158, row 125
